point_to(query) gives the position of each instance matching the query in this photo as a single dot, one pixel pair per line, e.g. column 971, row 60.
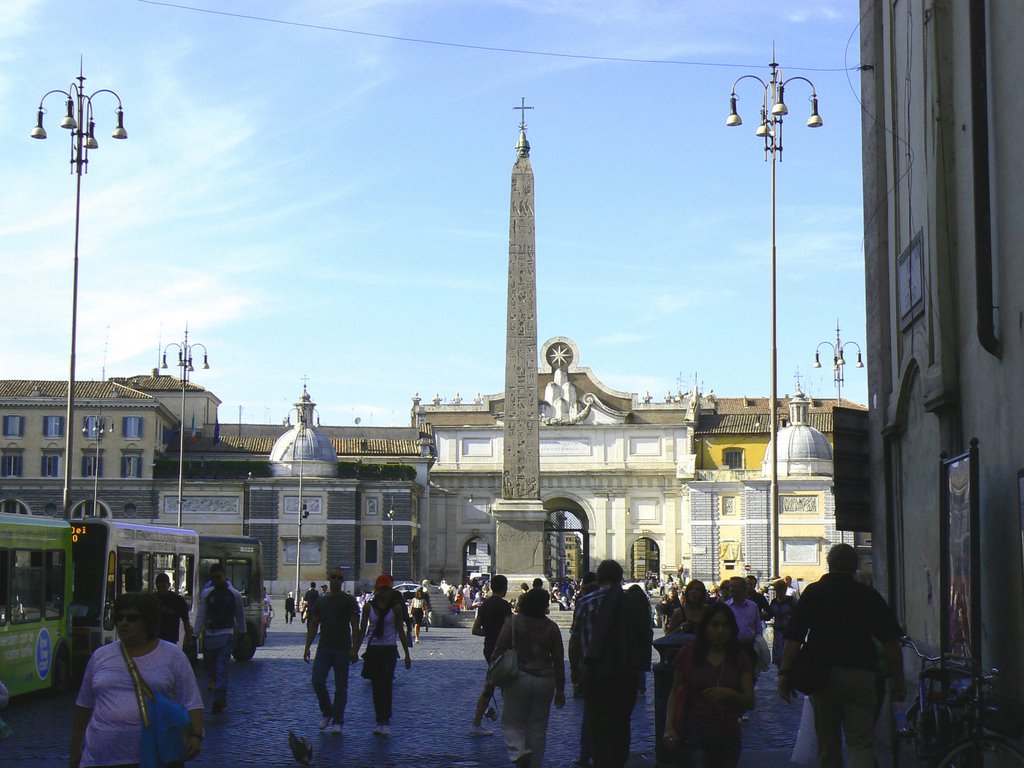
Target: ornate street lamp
column 773, row 112
column 838, row 360
column 185, row 367
column 98, row 428
column 79, row 121
column 391, row 525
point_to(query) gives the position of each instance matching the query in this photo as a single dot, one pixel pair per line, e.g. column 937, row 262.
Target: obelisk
column 519, row 514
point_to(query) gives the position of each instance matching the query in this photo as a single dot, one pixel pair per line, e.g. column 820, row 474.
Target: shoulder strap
column 142, row 691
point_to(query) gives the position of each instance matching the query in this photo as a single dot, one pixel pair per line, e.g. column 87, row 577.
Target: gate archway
column 646, row 559
column 566, row 540
column 477, row 557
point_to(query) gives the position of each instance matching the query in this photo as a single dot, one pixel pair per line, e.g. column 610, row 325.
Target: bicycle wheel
column 979, row 751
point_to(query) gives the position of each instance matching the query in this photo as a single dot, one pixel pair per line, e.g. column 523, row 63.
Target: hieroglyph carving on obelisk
column 521, row 471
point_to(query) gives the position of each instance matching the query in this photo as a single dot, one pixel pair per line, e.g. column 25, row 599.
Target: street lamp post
column 185, row 367
column 79, row 121
column 300, row 448
column 391, row 525
column 99, row 429
column 838, row 361
column 773, row 112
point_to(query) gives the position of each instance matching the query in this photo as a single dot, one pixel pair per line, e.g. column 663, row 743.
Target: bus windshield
column 90, row 549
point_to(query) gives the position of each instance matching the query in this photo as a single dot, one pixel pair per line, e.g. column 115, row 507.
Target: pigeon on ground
column 301, row 748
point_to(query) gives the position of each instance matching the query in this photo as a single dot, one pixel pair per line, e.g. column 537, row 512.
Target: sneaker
column 479, row 730
column 579, row 762
column 382, row 730
column 336, row 728
column 325, row 722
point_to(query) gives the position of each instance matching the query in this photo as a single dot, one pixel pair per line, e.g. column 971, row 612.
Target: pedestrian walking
column 107, row 725
column 173, row 612
column 713, row 684
column 383, row 627
column 311, row 595
column 336, row 616
column 527, row 698
column 615, row 634
column 418, row 610
column 490, row 618
column 268, row 611
column 220, row 615
column 839, row 617
column 289, row 608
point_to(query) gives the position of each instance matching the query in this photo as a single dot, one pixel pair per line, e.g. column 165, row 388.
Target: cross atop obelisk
column 519, row 514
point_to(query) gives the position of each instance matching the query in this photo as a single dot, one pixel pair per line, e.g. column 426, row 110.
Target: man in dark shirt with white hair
column 842, row 616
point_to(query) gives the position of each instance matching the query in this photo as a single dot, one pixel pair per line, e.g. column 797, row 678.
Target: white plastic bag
column 805, row 752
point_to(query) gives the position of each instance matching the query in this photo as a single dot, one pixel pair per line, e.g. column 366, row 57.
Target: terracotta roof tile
column 157, row 383
column 59, row 389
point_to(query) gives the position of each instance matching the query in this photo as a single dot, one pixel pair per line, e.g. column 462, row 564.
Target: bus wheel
column 245, row 648
column 61, row 675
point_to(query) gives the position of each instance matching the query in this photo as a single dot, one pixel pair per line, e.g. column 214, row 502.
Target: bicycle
column 956, row 721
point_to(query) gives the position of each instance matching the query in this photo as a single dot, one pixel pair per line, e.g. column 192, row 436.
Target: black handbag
column 811, row 668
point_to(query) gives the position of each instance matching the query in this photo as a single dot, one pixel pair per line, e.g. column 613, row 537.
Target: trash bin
column 664, row 669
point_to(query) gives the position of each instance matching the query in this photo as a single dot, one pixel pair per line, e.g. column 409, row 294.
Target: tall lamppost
column 773, row 112
column 300, row 448
column 99, row 428
column 185, row 367
column 838, row 361
column 78, row 120
column 391, row 525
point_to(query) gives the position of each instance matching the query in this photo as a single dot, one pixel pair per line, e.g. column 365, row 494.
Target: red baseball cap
column 384, row 580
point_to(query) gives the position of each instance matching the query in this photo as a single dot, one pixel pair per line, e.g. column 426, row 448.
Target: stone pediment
column 571, row 394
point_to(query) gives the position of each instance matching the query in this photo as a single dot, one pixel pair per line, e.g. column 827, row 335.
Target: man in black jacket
column 615, row 640
column 839, row 616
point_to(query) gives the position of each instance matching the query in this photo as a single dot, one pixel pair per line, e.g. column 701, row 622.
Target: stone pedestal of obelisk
column 519, row 514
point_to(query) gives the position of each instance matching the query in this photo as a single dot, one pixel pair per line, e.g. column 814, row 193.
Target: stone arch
column 14, row 506
column 477, row 556
column 644, row 559
column 84, row 508
column 566, row 538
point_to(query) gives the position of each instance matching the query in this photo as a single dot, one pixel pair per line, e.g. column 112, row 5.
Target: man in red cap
column 383, row 626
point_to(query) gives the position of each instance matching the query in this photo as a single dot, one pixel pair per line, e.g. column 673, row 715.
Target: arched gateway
column 566, row 540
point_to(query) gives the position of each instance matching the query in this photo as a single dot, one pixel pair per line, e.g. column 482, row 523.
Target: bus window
column 145, row 578
column 5, row 592
column 204, row 571
column 129, row 579
column 239, row 574
column 163, row 562
column 27, row 585
column 54, row 605
column 185, row 576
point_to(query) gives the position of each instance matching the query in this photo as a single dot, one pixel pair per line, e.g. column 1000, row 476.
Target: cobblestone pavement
column 271, row 695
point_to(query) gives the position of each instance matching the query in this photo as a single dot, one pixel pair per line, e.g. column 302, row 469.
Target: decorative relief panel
column 213, row 505
column 314, row 505
column 801, row 504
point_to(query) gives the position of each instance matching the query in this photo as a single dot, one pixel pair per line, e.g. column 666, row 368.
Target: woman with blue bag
column 139, row 704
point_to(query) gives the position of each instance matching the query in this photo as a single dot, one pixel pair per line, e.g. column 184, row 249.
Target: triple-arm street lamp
column 838, row 361
column 300, row 448
column 185, row 367
column 79, row 121
column 773, row 111
column 95, row 427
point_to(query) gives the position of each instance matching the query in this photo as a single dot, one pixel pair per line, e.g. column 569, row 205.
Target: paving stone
column 433, row 707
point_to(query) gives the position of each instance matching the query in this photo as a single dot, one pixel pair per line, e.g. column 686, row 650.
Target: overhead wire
column 469, row 46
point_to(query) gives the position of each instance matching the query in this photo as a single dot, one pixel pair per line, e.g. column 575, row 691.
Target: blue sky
column 315, row 202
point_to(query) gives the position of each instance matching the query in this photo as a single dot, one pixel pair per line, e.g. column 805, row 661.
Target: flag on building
column 195, row 439
column 216, row 430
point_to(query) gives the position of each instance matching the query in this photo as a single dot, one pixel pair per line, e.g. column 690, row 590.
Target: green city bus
column 35, row 590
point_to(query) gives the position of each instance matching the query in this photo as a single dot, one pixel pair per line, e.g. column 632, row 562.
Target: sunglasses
column 132, row 617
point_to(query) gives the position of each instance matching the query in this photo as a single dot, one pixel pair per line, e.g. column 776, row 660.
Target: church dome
column 304, row 448
column 803, row 450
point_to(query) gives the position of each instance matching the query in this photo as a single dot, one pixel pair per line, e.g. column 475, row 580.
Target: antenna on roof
column 159, row 346
column 106, row 343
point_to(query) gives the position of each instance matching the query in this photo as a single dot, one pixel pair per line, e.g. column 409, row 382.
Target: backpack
column 621, row 638
column 220, row 608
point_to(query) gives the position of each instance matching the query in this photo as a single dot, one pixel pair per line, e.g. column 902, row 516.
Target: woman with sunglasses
column 107, row 726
